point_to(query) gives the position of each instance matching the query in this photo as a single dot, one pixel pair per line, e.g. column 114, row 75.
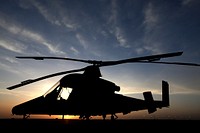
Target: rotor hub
column 92, row 71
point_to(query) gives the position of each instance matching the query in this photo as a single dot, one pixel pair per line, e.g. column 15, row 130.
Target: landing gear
column 104, row 116
column 26, row 116
column 85, row 117
column 63, row 116
column 114, row 116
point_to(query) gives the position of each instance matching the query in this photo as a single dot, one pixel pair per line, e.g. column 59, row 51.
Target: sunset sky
column 102, row 30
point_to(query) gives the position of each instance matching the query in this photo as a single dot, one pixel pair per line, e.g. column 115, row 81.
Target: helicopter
column 91, row 95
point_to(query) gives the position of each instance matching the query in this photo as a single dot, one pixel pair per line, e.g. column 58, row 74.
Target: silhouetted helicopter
column 90, row 94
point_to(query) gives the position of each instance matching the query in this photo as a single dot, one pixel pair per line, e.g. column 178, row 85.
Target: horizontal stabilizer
column 149, row 101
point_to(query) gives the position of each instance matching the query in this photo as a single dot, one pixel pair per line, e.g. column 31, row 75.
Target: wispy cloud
column 25, row 34
column 69, row 21
column 120, row 37
column 154, row 47
column 186, row 2
column 54, row 49
column 60, row 18
column 150, row 23
column 40, row 40
column 8, row 68
column 150, row 17
column 113, row 16
column 82, row 40
column 116, row 29
column 46, row 12
column 12, row 46
column 9, row 59
column 74, row 50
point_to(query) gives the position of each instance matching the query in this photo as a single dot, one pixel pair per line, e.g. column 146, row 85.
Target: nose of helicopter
column 27, row 107
column 15, row 110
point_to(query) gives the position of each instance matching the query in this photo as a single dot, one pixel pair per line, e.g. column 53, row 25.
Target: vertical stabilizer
column 165, row 94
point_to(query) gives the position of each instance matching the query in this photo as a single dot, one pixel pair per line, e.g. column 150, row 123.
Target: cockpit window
column 65, row 92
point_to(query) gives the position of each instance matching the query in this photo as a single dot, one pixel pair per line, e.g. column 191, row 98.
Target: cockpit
column 57, row 92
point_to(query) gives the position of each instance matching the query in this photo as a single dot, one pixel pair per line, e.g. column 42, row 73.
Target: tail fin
column 165, row 94
column 151, row 104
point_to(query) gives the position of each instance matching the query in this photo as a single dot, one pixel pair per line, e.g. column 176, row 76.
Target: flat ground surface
column 98, row 125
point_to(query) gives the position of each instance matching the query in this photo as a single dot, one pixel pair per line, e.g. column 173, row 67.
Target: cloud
column 53, row 49
column 12, row 45
column 9, row 59
column 39, row 39
column 154, row 47
column 151, row 30
column 25, row 34
column 113, row 16
column 150, row 17
column 8, row 68
column 187, row 2
column 120, row 38
column 56, row 14
column 139, row 50
column 46, row 12
column 75, row 51
column 82, row 40
column 115, row 27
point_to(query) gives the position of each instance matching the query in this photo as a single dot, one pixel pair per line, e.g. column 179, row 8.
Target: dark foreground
column 98, row 125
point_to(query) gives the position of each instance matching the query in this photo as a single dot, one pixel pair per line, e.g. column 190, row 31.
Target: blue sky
column 102, row 30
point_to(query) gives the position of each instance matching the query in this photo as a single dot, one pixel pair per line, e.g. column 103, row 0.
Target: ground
column 99, row 125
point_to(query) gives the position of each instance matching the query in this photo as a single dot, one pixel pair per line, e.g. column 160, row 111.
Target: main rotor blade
column 94, row 62
column 175, row 63
column 44, row 77
column 107, row 63
column 150, row 58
